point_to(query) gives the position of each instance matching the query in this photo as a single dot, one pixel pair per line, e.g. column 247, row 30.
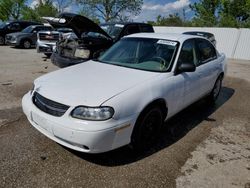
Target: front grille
column 48, row 106
column 48, row 37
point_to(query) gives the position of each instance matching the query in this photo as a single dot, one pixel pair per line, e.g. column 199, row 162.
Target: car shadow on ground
column 21, row 48
column 174, row 129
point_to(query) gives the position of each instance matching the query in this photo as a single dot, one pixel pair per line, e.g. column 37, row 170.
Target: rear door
column 207, row 65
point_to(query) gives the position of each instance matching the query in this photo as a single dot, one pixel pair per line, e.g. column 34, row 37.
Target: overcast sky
column 152, row 8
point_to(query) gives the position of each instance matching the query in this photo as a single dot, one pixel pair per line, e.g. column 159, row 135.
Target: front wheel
column 147, row 128
column 48, row 54
column 213, row 96
column 26, row 44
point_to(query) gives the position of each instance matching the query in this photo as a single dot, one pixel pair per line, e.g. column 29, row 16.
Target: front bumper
column 80, row 135
column 45, row 47
column 11, row 43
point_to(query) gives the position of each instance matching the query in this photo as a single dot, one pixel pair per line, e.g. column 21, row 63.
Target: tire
column 2, row 40
column 26, row 44
column 213, row 96
column 147, row 128
column 48, row 54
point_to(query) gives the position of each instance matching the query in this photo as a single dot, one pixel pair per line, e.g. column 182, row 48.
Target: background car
column 125, row 95
column 209, row 36
column 46, row 40
column 26, row 38
column 92, row 39
column 13, row 26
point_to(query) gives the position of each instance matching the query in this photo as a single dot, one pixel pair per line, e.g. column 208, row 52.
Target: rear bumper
column 80, row 135
column 61, row 61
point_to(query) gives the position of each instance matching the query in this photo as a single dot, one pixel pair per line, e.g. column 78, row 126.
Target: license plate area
column 41, row 122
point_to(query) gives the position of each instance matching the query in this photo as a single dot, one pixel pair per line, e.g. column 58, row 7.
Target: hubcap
column 26, row 44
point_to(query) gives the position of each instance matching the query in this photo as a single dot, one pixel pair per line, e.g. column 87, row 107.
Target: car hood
column 79, row 24
column 90, row 83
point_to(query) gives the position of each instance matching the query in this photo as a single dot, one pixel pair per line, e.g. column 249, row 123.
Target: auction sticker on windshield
column 167, row 42
column 119, row 25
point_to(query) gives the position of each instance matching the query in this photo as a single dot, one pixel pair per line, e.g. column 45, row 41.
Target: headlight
column 82, row 53
column 13, row 38
column 93, row 113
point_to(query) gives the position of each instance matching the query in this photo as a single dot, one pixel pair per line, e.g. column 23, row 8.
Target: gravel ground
column 200, row 147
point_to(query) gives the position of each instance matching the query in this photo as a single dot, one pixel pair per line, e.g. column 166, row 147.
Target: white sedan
column 125, row 96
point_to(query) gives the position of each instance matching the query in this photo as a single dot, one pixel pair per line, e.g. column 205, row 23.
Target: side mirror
column 34, row 31
column 186, row 67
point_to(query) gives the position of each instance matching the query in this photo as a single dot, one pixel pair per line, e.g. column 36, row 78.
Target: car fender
column 136, row 99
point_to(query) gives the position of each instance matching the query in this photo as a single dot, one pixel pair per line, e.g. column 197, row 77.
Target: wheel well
column 27, row 40
column 158, row 102
column 222, row 74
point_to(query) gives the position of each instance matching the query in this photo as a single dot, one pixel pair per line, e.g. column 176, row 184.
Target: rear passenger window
column 206, row 51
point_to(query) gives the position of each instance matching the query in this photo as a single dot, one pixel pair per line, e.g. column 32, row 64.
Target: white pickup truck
column 125, row 96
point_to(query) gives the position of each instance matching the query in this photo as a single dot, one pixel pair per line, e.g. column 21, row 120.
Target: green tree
column 43, row 8
column 110, row 10
column 206, row 12
column 11, row 9
column 235, row 13
column 46, row 8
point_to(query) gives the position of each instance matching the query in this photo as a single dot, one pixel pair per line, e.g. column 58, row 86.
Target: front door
column 190, row 81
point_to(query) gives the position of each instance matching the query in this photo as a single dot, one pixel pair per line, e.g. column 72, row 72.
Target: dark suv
column 91, row 40
column 27, row 37
column 13, row 26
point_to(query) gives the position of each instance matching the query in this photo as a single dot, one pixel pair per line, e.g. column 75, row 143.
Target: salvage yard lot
column 200, row 147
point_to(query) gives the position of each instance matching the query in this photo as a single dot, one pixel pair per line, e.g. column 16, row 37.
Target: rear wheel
column 26, row 44
column 2, row 40
column 213, row 96
column 147, row 128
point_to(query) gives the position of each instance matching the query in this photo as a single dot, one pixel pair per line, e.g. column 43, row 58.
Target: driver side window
column 188, row 53
column 15, row 26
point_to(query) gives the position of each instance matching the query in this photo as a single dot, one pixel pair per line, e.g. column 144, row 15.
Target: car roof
column 22, row 21
column 40, row 26
column 125, row 23
column 166, row 36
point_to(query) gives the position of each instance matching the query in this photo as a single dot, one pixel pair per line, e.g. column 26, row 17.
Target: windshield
column 154, row 55
column 113, row 30
column 28, row 29
column 94, row 35
column 2, row 25
column 64, row 30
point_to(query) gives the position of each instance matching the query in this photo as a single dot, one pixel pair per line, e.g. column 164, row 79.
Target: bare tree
column 112, row 9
